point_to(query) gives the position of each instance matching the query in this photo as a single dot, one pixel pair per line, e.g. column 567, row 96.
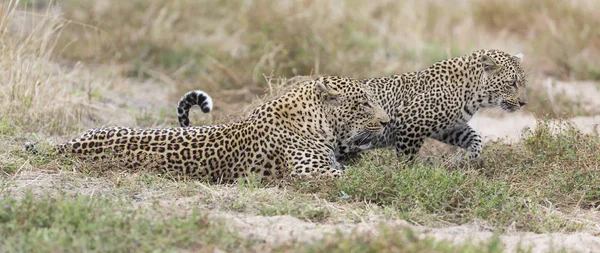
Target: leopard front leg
column 408, row 147
column 316, row 162
column 465, row 137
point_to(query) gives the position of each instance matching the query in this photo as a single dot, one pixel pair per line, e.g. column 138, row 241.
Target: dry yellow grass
column 226, row 48
column 562, row 36
column 34, row 91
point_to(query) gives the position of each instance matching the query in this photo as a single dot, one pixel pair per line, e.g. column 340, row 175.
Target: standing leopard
column 295, row 134
column 439, row 101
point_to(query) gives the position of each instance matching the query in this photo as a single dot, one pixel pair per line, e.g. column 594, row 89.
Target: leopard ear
column 518, row 57
column 328, row 94
column 488, row 63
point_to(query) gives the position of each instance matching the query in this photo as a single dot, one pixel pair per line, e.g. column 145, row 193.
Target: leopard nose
column 522, row 103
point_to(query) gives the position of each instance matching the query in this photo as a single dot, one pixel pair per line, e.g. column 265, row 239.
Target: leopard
column 293, row 135
column 437, row 102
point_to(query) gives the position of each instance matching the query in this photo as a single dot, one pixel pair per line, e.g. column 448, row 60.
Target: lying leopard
column 295, row 134
column 439, row 101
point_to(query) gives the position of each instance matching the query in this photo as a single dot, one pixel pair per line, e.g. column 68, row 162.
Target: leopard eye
column 366, row 105
column 513, row 83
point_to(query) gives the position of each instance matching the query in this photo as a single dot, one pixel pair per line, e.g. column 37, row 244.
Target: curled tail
column 196, row 97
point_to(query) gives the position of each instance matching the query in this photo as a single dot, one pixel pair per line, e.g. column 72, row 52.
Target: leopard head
column 503, row 81
column 354, row 113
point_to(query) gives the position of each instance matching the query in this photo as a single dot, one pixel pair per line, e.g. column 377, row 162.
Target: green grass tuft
column 83, row 223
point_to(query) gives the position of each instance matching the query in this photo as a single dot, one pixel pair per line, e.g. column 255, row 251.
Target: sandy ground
column 277, row 229
column 509, row 128
column 285, row 228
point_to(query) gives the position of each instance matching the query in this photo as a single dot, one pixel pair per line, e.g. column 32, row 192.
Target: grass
column 546, row 26
column 394, row 241
column 84, row 223
column 565, row 166
column 100, row 224
column 530, row 186
column 232, row 45
column 300, row 206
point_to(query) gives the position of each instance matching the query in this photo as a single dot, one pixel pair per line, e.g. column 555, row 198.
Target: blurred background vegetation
column 227, row 44
column 230, row 48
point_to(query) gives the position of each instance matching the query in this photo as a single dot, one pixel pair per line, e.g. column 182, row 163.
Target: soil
column 285, row 228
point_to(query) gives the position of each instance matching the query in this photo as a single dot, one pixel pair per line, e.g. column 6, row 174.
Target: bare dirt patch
column 509, row 128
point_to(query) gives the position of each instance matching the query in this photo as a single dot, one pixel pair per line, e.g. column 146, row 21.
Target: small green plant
column 6, row 127
column 252, row 181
